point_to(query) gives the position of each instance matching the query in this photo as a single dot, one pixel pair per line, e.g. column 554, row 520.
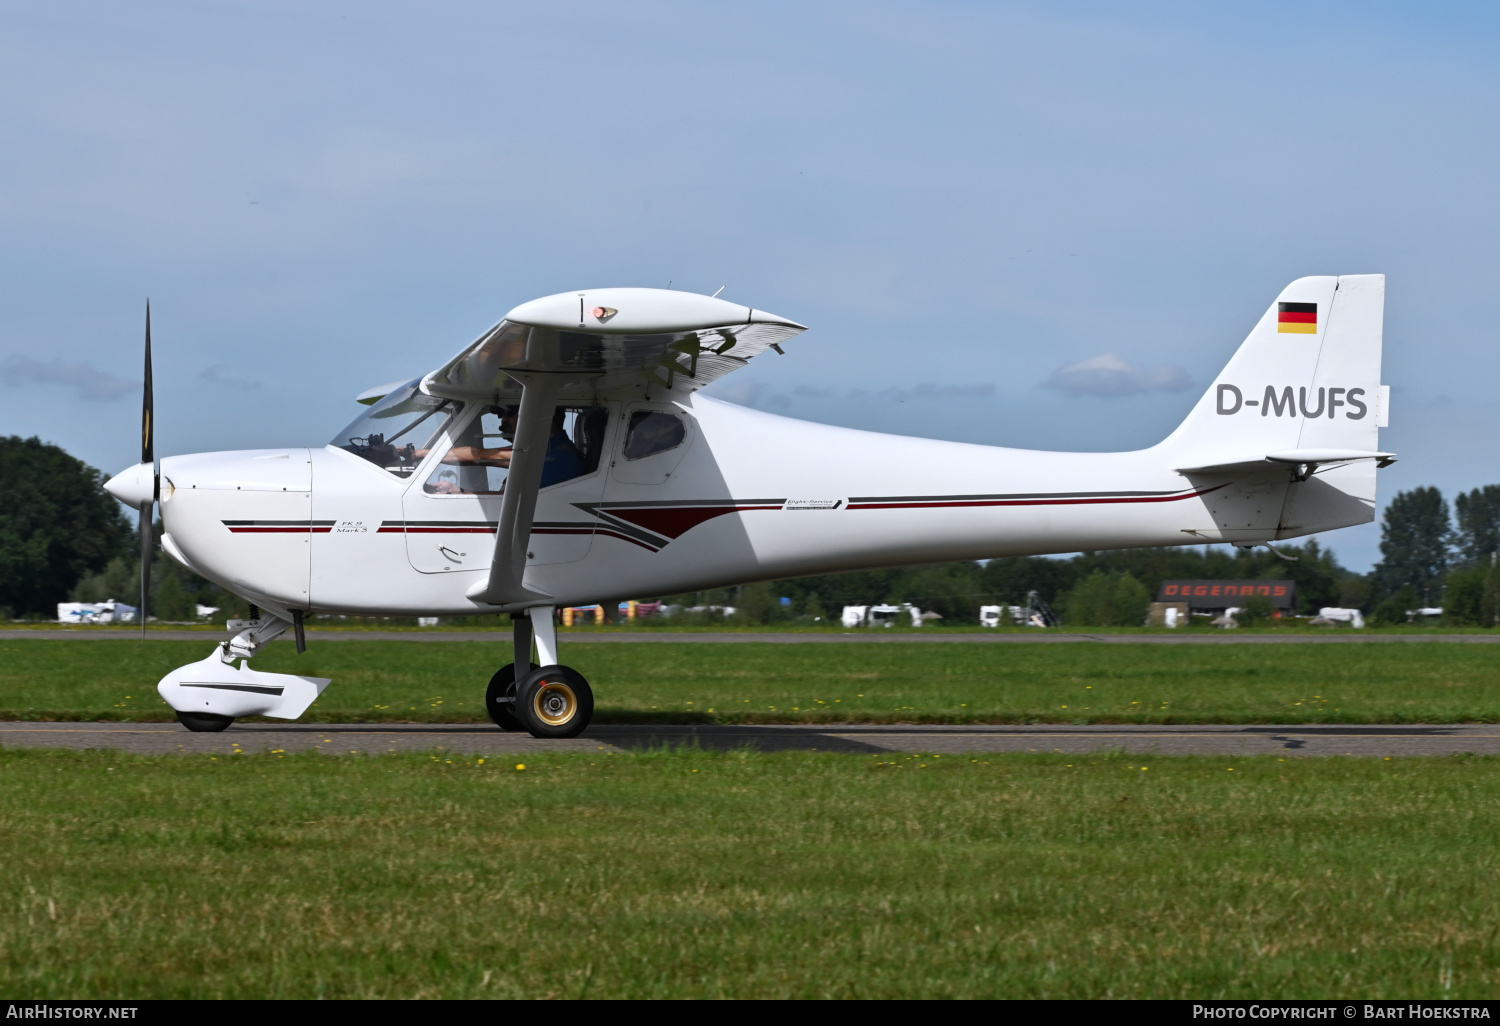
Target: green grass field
column 764, row 683
column 682, row 873
column 690, row 874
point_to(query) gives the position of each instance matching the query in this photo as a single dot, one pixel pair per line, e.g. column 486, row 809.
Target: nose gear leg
column 252, row 635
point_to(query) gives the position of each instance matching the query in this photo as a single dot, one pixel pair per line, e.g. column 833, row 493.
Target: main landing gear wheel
column 204, row 723
column 555, row 702
column 500, row 698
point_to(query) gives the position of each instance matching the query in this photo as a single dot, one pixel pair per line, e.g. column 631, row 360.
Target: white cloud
column 218, row 374
column 1112, row 375
column 929, row 391
column 742, row 392
column 90, row 383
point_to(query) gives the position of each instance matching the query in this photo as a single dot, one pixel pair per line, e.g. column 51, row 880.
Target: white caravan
column 567, row 457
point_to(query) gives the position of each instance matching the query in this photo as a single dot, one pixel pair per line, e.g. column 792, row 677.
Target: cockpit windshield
column 399, row 430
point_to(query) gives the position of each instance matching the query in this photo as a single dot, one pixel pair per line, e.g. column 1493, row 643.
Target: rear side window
column 651, row 432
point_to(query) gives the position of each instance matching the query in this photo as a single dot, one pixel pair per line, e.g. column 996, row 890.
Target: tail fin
column 1306, row 380
column 1308, row 376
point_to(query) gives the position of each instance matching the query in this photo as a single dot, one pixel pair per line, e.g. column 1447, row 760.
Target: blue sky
column 961, row 200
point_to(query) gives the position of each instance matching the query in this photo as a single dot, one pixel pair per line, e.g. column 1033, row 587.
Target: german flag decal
column 1297, row 318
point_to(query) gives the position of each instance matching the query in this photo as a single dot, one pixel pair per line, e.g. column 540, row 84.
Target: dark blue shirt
column 564, row 461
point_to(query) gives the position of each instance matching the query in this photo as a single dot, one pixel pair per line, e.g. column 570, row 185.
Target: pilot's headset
column 511, row 413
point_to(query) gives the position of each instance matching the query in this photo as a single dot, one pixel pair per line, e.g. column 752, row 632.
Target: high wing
column 603, row 340
column 584, row 346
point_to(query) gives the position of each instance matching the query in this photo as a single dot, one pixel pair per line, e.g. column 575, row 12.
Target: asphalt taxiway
column 479, row 740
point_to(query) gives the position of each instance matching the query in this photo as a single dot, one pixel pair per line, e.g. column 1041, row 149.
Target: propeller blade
column 148, row 455
column 148, row 428
column 146, row 547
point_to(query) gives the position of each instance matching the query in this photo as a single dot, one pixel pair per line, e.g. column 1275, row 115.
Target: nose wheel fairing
column 209, row 687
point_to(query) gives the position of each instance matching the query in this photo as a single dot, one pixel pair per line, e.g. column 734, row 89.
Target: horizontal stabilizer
column 1291, row 458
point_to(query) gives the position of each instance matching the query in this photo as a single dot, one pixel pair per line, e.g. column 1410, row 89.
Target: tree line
column 1092, row 588
column 63, row 538
column 1430, row 558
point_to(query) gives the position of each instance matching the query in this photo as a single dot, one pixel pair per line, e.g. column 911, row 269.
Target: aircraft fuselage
column 746, row 496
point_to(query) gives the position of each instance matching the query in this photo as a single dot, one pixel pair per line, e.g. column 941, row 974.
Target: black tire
column 554, row 702
column 204, row 723
column 499, row 698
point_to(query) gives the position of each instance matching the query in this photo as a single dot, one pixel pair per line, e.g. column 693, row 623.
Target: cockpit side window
column 479, row 461
column 651, row 432
column 399, row 430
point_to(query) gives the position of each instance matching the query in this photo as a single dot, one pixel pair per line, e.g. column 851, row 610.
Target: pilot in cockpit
column 471, row 455
column 564, row 461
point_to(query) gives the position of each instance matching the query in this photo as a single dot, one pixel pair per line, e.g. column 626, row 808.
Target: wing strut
column 506, row 584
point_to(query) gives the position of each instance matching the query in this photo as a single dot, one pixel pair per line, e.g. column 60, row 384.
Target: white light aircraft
column 566, row 458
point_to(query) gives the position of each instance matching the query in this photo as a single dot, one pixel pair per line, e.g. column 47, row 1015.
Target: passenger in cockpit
column 564, row 461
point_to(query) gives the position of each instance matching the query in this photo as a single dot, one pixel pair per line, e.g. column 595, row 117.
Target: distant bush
column 1107, row 600
column 1463, row 597
column 1354, row 593
column 1257, row 609
column 757, row 604
column 1392, row 611
column 120, row 580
